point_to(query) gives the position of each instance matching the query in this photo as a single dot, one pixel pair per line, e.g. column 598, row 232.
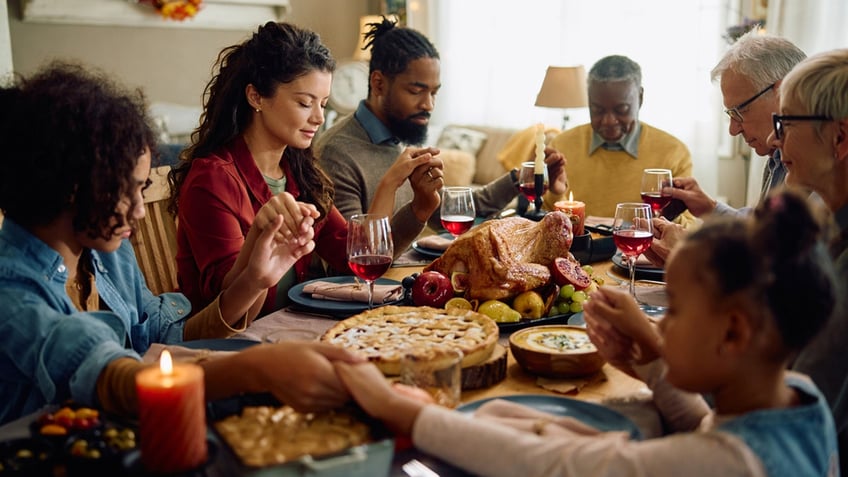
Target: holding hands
column 687, row 189
column 666, row 236
column 623, row 334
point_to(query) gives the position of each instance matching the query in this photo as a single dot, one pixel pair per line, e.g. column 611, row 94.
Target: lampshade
column 364, row 55
column 563, row 87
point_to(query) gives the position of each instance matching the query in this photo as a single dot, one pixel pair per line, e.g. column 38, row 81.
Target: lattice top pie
column 384, row 335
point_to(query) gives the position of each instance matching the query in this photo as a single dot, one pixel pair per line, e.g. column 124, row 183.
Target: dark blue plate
column 341, row 309
column 547, row 320
column 642, row 272
column 431, row 252
column 595, row 415
column 233, row 344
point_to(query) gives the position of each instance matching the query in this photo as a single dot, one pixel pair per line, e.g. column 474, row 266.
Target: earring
column 258, row 110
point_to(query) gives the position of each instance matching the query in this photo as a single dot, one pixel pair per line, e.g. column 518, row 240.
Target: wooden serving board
column 487, row 373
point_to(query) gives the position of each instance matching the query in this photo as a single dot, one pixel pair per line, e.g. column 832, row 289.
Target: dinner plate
column 595, row 415
column 577, row 319
column 643, row 272
column 232, row 344
column 547, row 320
column 431, row 252
column 332, row 307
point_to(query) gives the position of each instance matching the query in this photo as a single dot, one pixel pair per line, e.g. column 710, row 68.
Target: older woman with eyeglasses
column 811, row 132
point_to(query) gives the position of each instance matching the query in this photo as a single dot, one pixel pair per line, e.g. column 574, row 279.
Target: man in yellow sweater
column 606, row 157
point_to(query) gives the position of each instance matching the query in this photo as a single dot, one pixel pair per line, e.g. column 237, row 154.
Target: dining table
column 609, row 387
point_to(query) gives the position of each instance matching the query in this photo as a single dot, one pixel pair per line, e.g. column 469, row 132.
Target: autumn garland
column 175, row 9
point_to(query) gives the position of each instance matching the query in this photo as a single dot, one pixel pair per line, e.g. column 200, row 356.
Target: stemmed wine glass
column 632, row 233
column 457, row 210
column 369, row 248
column 653, row 183
column 527, row 180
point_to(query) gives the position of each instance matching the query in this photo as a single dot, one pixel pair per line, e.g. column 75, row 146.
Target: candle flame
column 166, row 364
column 570, row 196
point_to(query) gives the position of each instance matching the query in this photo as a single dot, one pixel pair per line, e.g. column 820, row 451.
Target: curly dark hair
column 277, row 53
column 71, row 138
column 393, row 47
column 779, row 258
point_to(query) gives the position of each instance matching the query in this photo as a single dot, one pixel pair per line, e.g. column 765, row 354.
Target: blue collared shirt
column 629, row 143
column 51, row 351
column 376, row 130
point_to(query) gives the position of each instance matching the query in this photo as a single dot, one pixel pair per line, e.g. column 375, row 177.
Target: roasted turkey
column 507, row 256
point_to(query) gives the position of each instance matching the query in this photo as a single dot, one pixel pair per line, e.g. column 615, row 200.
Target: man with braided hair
column 404, row 78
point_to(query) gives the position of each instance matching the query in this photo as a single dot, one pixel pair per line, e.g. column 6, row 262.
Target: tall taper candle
column 172, row 416
column 539, row 164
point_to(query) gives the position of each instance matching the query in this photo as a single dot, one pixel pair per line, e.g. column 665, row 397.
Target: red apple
column 431, row 289
column 567, row 271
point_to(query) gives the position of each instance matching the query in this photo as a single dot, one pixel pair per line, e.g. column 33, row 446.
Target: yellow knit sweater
column 606, row 178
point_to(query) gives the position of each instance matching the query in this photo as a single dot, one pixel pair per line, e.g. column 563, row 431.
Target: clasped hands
column 623, row 334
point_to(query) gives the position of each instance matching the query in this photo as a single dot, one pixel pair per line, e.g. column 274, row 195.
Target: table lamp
column 564, row 87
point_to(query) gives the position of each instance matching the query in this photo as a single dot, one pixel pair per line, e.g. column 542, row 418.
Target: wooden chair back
column 155, row 240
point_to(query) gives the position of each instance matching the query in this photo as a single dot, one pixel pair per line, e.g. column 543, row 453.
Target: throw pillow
column 460, row 167
column 464, row 139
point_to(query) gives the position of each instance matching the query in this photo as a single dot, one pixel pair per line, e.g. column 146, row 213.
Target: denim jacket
column 51, row 351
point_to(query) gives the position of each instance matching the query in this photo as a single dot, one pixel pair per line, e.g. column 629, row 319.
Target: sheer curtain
column 495, row 52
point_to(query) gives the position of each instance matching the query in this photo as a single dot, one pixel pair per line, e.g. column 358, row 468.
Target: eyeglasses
column 735, row 112
column 778, row 121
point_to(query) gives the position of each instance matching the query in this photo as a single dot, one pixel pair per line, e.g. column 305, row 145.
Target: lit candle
column 539, row 165
column 575, row 210
column 172, row 416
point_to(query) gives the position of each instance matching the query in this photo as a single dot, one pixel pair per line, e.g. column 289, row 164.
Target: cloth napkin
column 180, row 354
column 435, row 242
column 321, row 290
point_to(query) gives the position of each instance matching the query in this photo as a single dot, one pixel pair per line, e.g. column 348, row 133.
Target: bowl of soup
column 556, row 351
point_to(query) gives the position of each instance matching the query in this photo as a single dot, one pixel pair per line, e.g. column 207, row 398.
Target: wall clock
column 350, row 86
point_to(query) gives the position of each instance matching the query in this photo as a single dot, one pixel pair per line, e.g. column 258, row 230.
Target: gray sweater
column 356, row 165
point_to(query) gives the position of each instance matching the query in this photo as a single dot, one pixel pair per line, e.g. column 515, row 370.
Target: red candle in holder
column 172, row 416
column 575, row 210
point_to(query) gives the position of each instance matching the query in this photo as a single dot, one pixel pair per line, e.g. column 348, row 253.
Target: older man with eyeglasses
column 749, row 75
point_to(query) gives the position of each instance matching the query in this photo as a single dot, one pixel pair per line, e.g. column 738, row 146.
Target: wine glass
column 369, row 248
column 653, row 183
column 527, row 180
column 457, row 210
column 632, row 233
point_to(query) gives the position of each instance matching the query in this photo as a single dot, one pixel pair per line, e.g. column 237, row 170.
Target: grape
column 576, row 307
column 579, row 297
column 408, row 281
column 588, row 269
column 563, row 308
column 566, row 292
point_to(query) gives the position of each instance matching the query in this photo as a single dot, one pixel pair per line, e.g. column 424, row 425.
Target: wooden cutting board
column 487, row 373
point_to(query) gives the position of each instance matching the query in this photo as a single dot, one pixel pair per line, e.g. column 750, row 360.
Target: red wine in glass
column 457, row 210
column 632, row 243
column 370, row 267
column 369, row 248
column 654, row 181
column 457, row 224
column 529, row 190
column 656, row 200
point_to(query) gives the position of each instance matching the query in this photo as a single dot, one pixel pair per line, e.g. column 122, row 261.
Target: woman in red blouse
column 262, row 110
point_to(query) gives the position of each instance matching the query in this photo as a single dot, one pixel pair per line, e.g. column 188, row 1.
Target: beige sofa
column 477, row 155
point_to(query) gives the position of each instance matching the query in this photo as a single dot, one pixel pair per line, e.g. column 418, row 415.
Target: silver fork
column 416, row 468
